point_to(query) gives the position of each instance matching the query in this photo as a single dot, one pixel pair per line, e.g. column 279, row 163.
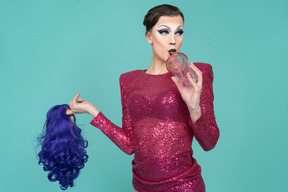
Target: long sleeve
column 205, row 128
column 122, row 137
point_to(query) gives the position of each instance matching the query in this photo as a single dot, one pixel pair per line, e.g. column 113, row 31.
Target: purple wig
column 63, row 151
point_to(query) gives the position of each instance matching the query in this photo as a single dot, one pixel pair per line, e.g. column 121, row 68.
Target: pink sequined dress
column 157, row 128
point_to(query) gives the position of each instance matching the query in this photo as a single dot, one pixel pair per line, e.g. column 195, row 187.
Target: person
column 160, row 115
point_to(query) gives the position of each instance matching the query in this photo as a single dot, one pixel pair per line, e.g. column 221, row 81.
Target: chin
column 166, row 56
column 163, row 58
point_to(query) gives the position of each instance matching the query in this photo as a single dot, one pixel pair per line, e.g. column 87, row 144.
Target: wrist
column 93, row 111
column 194, row 109
column 195, row 113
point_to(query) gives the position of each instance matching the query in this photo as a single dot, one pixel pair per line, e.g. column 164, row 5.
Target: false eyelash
column 163, row 31
column 180, row 32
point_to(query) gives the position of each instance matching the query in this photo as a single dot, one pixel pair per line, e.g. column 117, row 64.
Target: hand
column 191, row 95
column 80, row 106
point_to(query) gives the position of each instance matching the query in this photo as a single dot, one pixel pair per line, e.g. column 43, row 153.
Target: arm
column 205, row 128
column 199, row 99
column 122, row 137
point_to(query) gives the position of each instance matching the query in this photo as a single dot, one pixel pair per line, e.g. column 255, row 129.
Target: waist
column 161, row 170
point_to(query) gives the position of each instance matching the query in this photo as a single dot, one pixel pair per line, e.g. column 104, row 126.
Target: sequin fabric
column 157, row 128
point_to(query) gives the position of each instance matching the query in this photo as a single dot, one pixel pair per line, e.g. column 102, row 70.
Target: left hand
column 80, row 106
column 191, row 95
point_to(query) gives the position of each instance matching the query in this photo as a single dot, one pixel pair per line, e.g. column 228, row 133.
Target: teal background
column 51, row 50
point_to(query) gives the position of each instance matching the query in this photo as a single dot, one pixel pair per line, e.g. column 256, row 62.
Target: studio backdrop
column 52, row 50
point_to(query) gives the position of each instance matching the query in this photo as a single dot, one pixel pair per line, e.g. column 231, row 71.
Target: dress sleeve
column 205, row 128
column 122, row 137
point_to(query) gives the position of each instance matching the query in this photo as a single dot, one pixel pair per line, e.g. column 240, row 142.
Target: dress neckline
column 152, row 75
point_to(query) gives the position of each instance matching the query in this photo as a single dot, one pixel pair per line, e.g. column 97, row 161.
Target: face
column 165, row 35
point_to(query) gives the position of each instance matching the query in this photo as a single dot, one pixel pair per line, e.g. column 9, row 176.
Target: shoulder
column 131, row 74
column 127, row 77
column 205, row 68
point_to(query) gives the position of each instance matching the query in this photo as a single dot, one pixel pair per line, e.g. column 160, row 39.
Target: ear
column 149, row 37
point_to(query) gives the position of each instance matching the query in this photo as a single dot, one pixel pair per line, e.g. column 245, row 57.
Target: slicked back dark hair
column 153, row 15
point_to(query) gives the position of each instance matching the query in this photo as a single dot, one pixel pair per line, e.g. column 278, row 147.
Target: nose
column 172, row 40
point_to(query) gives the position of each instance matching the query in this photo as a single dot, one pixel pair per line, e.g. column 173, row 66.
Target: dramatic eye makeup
column 165, row 30
column 179, row 31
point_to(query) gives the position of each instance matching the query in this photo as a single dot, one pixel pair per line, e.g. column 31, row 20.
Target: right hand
column 80, row 106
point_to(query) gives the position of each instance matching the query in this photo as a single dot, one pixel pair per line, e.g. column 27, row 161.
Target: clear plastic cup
column 177, row 63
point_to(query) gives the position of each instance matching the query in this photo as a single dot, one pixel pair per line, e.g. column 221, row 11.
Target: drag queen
column 160, row 115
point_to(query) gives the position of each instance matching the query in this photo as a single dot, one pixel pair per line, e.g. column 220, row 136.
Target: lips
column 171, row 51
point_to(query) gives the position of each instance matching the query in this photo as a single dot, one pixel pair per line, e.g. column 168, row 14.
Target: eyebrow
column 169, row 27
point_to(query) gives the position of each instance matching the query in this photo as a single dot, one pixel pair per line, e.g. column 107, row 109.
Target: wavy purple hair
column 63, row 151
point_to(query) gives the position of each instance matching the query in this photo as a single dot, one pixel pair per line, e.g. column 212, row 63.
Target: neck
column 157, row 67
